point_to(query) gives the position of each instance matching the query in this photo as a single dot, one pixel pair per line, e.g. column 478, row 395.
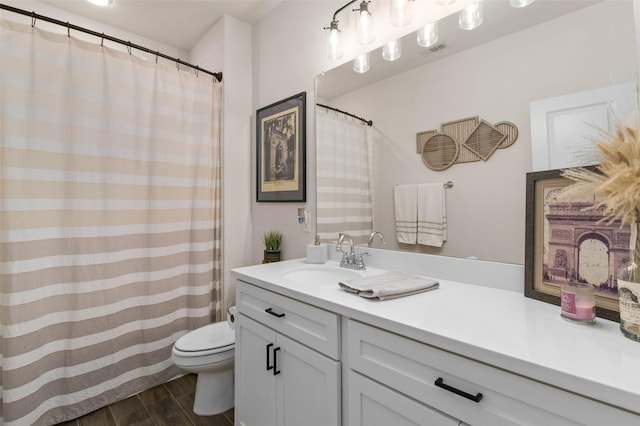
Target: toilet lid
column 212, row 336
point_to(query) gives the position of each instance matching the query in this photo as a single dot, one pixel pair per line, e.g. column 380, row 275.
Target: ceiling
column 178, row 23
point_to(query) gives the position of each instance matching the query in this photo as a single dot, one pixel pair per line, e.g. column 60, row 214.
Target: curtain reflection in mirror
column 345, row 176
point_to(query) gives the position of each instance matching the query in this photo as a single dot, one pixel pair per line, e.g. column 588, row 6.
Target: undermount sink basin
column 321, row 274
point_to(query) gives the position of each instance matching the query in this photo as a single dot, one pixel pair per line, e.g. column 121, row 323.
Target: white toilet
column 209, row 351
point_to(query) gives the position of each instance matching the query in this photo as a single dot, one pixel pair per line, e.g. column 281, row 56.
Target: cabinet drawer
column 311, row 326
column 413, row 368
column 372, row 404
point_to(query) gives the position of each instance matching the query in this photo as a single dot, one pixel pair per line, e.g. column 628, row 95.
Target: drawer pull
column 275, row 361
column 275, row 314
column 440, row 383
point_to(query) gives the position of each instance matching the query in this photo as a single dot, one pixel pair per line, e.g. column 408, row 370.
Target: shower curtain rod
column 35, row 16
column 364, row 120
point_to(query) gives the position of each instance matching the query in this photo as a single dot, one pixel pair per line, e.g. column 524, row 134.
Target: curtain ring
column 178, row 64
column 129, row 47
column 157, row 54
column 68, row 30
column 197, row 70
column 102, row 41
column 33, row 19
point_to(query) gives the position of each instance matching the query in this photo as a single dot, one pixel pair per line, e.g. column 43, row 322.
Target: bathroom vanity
column 475, row 351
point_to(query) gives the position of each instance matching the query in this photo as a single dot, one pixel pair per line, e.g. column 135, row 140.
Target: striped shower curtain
column 109, row 222
column 344, row 150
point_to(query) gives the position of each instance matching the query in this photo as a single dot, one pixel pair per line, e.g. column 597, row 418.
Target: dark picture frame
column 281, row 150
column 567, row 242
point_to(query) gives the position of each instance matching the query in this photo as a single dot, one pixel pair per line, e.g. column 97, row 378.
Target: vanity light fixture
column 392, row 50
column 361, row 63
column 401, row 12
column 364, row 24
column 101, row 2
column 334, row 41
column 471, row 16
column 520, row 3
column 428, row 35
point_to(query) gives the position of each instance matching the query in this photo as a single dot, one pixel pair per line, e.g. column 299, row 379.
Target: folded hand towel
column 405, row 198
column 432, row 214
column 390, row 285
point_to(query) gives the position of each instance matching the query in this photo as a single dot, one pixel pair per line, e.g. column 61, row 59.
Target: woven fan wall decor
column 440, row 151
column 460, row 130
column 463, row 141
column 484, row 140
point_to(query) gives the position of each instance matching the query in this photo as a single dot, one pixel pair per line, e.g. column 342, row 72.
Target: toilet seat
column 210, row 339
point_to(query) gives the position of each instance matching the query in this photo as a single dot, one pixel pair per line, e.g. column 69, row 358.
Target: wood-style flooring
column 170, row 404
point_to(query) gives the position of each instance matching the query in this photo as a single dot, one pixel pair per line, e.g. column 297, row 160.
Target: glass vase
column 629, row 289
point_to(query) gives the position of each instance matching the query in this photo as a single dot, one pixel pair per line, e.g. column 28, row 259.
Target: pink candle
column 578, row 303
column 584, row 311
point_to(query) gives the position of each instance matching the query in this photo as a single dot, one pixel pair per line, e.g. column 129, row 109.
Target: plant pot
column 271, row 256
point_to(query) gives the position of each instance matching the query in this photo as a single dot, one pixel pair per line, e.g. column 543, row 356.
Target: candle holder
column 578, row 303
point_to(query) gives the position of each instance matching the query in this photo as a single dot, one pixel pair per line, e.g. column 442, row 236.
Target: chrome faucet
column 341, row 238
column 373, row 234
column 350, row 259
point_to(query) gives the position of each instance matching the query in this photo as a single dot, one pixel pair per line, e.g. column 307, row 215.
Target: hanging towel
column 390, row 285
column 405, row 198
column 432, row 214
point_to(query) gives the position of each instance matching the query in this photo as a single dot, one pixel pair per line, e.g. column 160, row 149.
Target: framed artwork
column 567, row 242
column 281, row 144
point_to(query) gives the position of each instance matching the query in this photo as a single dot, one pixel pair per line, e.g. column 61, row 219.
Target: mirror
column 517, row 56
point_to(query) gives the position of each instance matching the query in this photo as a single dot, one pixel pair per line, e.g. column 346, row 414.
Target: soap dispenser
column 316, row 252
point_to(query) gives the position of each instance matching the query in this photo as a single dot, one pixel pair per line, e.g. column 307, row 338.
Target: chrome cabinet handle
column 275, row 314
column 475, row 398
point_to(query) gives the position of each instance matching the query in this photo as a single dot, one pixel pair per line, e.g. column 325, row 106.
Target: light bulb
column 428, row 35
column 334, row 42
column 392, row 50
column 401, row 12
column 471, row 16
column 364, row 25
column 520, row 3
column 361, row 63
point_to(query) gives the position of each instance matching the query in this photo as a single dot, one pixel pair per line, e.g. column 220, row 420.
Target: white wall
column 288, row 52
column 495, row 81
column 227, row 47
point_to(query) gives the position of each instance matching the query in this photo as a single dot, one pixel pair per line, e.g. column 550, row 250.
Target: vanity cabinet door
column 372, row 404
column 255, row 395
column 282, row 382
column 308, row 387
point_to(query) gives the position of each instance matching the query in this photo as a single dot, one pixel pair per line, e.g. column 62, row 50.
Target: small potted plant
column 272, row 241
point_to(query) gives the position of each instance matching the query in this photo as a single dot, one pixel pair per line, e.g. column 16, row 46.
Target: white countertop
column 498, row 327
